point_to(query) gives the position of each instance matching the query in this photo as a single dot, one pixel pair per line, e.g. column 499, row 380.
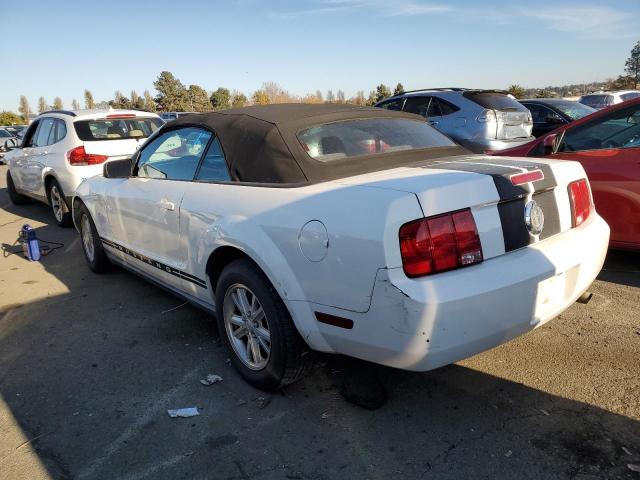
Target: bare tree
column 24, row 108
column 42, row 105
column 88, row 100
column 75, row 105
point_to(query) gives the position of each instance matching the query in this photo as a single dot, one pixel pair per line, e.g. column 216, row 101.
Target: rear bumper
column 427, row 323
column 489, row 146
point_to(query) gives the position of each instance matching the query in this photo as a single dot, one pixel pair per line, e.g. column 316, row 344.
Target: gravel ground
column 89, row 365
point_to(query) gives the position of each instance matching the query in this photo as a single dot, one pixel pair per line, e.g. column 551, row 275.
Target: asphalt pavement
column 89, row 365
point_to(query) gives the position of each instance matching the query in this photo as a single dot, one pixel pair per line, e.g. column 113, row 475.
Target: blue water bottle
column 30, row 245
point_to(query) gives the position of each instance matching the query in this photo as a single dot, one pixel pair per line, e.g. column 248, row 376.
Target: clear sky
column 59, row 48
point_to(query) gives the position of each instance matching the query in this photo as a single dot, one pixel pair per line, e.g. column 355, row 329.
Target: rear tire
column 15, row 197
column 92, row 247
column 264, row 344
column 60, row 209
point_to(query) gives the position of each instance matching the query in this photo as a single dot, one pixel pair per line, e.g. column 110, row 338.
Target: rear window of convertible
column 354, row 138
column 116, row 128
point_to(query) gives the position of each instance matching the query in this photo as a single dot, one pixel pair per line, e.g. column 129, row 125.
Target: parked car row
column 599, row 100
column 354, row 230
column 61, row 148
column 479, row 120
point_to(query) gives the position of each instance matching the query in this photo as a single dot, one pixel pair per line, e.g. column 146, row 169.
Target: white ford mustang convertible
column 334, row 228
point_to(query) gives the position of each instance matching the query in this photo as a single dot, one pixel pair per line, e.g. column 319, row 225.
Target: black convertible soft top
column 261, row 146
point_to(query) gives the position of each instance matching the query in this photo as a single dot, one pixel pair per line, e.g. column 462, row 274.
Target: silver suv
column 482, row 121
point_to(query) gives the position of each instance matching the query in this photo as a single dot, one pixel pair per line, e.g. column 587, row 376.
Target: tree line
column 174, row 96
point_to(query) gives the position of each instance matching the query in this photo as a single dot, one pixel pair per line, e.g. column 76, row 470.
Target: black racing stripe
column 511, row 204
column 154, row 263
column 500, row 174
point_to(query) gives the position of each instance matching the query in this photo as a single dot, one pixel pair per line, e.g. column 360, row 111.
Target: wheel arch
column 299, row 310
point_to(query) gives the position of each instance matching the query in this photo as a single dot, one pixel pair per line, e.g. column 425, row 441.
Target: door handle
column 167, row 205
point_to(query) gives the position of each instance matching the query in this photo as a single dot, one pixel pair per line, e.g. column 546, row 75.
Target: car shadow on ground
column 622, row 267
column 89, row 374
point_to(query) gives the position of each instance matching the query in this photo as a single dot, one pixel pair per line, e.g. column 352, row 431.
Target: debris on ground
column 262, row 402
column 211, row 379
column 508, row 454
column 183, row 412
column 627, row 451
column 545, row 412
column 634, row 467
column 241, row 402
column 326, row 415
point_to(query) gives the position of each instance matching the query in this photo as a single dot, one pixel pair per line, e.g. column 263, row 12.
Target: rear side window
column 392, row 104
column 116, row 128
column 214, row 166
column 61, row 130
column 418, row 105
column 597, row 101
column 629, row 96
column 494, row 101
column 354, row 138
column 445, row 107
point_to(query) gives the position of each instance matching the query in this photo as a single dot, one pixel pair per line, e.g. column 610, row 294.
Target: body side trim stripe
column 154, row 263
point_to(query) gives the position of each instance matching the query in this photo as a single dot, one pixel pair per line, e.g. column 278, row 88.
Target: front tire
column 92, row 247
column 15, row 197
column 256, row 327
column 58, row 205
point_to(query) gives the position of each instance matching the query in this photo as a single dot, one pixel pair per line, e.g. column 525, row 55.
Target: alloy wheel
column 87, row 237
column 247, row 326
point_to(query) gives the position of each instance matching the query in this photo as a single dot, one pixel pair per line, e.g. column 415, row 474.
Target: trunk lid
column 485, row 185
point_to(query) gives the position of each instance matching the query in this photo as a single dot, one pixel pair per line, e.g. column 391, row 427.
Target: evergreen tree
column 382, row 92
column 238, row 100
column 399, row 90
column 198, row 99
column 632, row 65
column 221, row 99
column 260, row 97
column 516, row 90
column 172, row 94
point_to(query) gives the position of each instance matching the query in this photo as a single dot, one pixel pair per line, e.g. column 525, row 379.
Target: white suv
column 600, row 100
column 62, row 148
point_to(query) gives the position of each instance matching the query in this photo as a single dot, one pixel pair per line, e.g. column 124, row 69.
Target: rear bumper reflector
column 334, row 320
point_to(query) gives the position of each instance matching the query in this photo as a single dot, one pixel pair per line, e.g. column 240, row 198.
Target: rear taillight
column 487, row 116
column 78, row 156
column 581, row 204
column 439, row 243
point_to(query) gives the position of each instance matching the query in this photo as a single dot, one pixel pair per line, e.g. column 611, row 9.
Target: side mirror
column 554, row 120
column 549, row 143
column 117, row 169
column 10, row 144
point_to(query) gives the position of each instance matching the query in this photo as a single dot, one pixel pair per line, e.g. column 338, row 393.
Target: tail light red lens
column 78, row 156
column 581, row 204
column 439, row 243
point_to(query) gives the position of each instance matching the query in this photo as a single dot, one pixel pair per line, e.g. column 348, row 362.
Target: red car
column 607, row 144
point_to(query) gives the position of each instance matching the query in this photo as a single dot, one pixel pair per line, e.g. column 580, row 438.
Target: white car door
column 36, row 161
column 144, row 209
column 20, row 162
